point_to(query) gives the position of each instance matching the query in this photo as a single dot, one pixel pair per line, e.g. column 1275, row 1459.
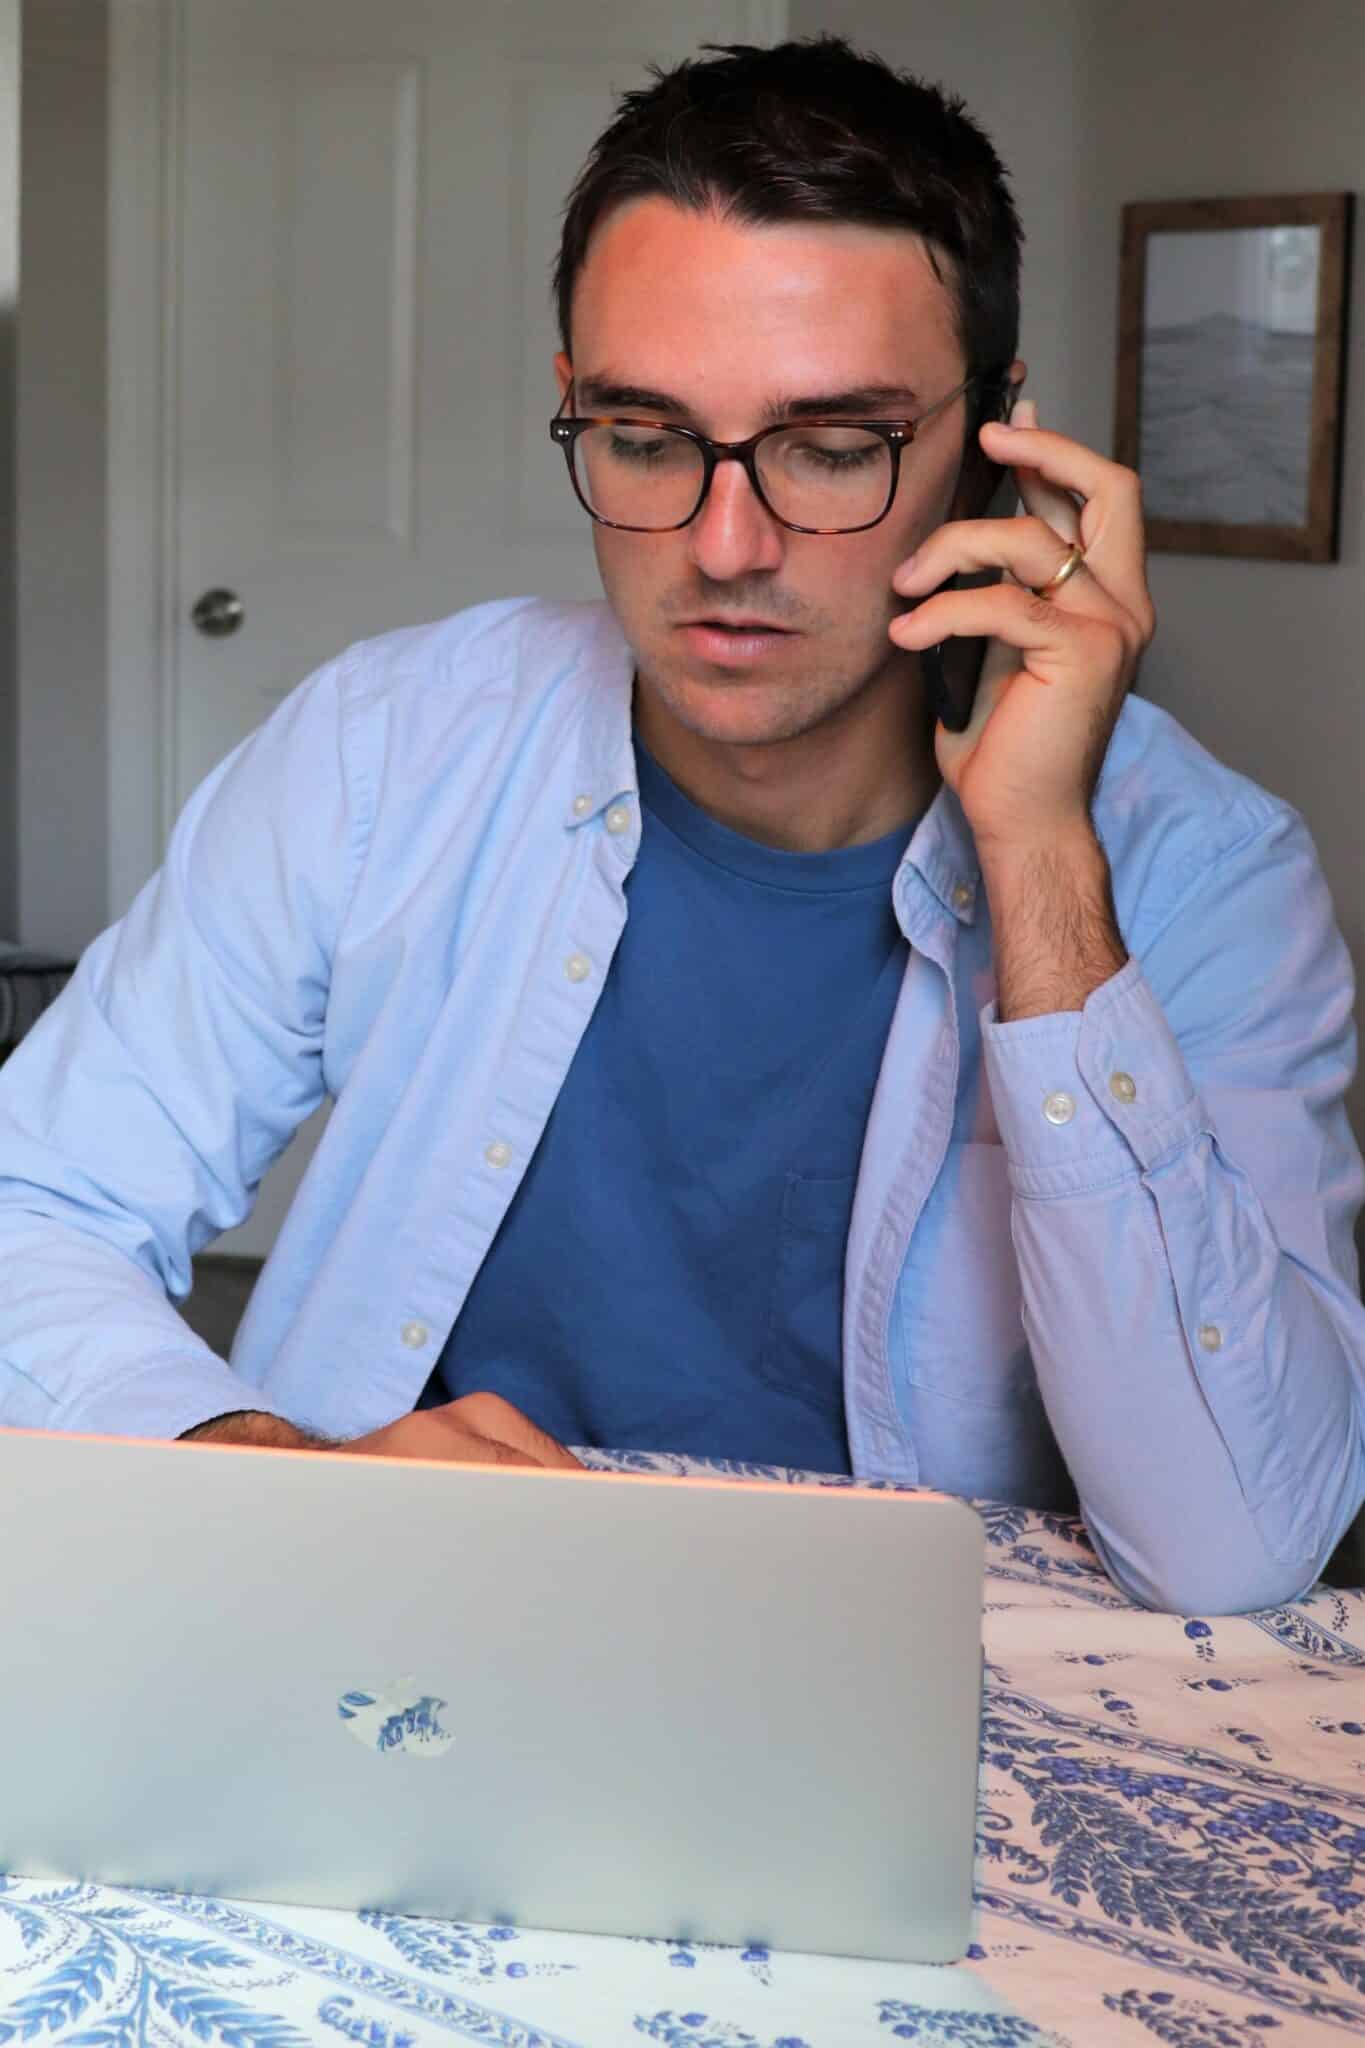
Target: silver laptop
column 624, row 1705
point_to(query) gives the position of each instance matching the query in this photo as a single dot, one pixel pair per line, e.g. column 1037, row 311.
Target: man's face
column 731, row 322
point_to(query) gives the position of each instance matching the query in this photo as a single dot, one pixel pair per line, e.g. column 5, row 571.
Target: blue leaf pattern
column 1189, row 2023
column 66, row 1994
column 343, row 2015
column 696, row 2030
column 961, row 2029
column 455, row 1948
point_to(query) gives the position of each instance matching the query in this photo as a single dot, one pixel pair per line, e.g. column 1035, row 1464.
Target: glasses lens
column 647, row 477
column 834, row 477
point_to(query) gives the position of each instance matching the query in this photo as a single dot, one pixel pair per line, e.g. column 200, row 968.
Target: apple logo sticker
column 394, row 1718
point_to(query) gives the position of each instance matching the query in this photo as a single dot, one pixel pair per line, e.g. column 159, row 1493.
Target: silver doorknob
column 218, row 612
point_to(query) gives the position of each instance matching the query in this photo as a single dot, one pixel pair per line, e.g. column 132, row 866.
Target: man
column 724, row 1058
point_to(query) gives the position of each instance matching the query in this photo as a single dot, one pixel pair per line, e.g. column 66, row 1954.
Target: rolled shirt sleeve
column 1184, row 1185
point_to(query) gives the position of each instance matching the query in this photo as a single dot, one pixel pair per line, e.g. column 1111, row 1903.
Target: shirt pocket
column 803, row 1350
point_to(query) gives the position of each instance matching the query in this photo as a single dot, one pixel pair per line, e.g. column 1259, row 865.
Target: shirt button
column 1123, row 1087
column 581, row 806
column 414, row 1335
column 618, row 819
column 1059, row 1108
column 499, row 1153
column 962, row 896
column 1210, row 1336
column 578, row 967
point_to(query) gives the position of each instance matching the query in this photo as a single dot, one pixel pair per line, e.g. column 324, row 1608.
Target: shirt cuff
column 163, row 1399
column 1086, row 1098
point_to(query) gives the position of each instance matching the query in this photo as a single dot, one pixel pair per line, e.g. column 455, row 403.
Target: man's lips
column 734, row 642
column 732, row 625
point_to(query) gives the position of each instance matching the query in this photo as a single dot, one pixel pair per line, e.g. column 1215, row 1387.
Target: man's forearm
column 1055, row 932
column 249, row 1426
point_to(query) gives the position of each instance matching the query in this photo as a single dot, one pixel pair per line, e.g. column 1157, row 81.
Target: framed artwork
column 1232, row 331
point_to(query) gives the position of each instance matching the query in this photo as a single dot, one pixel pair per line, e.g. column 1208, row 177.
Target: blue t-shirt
column 669, row 1275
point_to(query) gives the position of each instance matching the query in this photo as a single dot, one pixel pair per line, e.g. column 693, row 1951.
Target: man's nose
column 734, row 534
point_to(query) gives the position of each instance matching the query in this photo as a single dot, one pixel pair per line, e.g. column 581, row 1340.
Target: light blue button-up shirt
column 1114, row 1243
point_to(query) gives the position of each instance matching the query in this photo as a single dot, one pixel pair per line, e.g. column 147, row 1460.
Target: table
column 1171, row 1850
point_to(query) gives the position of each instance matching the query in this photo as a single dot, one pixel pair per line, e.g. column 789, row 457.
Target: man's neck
column 866, row 772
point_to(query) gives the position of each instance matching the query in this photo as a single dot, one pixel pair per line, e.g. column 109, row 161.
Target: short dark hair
column 814, row 130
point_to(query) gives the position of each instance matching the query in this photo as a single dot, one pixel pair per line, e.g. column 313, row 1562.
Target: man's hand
column 1052, row 685
column 1056, row 676
column 479, row 1429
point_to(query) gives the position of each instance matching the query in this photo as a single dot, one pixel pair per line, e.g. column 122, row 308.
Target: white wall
column 1092, row 104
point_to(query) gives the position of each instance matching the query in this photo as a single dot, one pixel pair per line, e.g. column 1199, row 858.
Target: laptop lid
column 688, row 1708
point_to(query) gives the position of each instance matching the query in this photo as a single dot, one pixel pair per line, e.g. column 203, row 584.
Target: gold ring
column 1064, row 574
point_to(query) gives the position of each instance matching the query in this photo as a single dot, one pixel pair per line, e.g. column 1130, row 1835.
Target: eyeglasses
column 813, row 476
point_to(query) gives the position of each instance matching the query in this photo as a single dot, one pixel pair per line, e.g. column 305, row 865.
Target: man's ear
column 563, row 374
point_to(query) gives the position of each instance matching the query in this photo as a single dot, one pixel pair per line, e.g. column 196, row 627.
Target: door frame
column 146, row 39
column 142, row 225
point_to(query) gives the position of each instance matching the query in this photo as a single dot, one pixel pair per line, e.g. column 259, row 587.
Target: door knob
column 218, row 612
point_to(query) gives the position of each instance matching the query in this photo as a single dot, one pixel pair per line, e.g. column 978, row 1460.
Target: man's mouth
column 734, row 641
column 734, row 625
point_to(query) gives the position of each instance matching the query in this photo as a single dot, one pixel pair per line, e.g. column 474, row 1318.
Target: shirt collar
column 943, row 853
column 941, row 849
column 605, row 768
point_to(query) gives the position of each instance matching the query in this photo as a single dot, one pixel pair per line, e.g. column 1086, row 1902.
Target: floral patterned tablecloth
column 1171, row 1850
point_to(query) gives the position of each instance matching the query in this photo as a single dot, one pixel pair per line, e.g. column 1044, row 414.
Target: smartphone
column 952, row 668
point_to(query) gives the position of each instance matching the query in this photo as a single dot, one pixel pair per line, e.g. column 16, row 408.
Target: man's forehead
column 654, row 217
column 675, row 305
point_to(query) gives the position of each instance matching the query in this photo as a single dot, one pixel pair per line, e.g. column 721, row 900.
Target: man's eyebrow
column 858, row 402
column 861, row 402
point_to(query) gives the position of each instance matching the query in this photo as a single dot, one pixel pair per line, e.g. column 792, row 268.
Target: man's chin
column 738, row 710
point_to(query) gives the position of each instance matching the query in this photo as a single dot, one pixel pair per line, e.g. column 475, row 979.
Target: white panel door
column 369, row 193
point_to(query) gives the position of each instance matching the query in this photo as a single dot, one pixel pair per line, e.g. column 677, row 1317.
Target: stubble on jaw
column 780, row 708
column 821, row 765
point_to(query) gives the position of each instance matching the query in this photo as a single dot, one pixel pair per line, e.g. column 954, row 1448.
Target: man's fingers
column 425, row 1435
column 1070, row 641
column 1031, row 549
column 1067, row 465
column 479, row 1429
column 489, row 1416
column 486, row 1450
column 1044, row 500
column 1070, row 494
column 1111, row 522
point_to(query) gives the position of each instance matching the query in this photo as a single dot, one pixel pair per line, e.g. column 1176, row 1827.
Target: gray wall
column 1092, row 103
column 1263, row 661
column 63, row 732
column 9, row 290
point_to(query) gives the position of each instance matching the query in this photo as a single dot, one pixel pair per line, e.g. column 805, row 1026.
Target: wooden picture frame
column 1231, row 363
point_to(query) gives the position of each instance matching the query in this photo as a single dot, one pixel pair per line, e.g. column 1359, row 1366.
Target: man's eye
column 835, row 458
column 644, row 449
